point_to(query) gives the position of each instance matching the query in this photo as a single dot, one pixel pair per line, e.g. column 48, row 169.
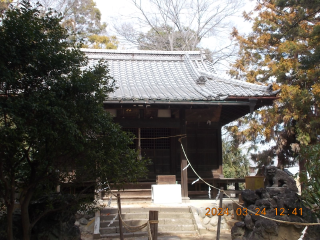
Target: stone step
column 161, row 228
column 115, row 236
column 146, row 210
column 136, row 222
column 129, row 199
column 139, row 185
column 138, row 216
column 131, row 195
column 171, row 220
column 132, row 192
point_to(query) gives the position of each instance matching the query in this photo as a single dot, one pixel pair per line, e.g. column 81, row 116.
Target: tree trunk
column 302, row 169
column 9, row 199
column 25, row 219
column 10, row 221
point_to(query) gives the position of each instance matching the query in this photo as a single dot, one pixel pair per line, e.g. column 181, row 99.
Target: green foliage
column 53, row 129
column 235, row 164
column 82, row 18
column 311, row 177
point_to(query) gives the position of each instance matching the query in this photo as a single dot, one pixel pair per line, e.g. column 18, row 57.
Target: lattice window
column 153, row 142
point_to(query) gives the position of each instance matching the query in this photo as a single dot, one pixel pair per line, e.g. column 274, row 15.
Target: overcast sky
column 114, row 11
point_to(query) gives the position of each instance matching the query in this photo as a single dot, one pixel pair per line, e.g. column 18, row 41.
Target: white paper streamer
column 218, row 195
column 109, row 202
column 209, row 192
column 102, row 189
column 303, row 233
column 186, row 167
column 195, row 181
column 113, row 219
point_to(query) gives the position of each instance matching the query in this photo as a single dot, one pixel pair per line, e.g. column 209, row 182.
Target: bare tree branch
column 179, row 24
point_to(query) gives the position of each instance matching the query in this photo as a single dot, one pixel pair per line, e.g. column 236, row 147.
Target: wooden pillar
column 184, row 180
column 184, row 173
column 236, row 187
column 216, row 173
column 153, row 215
column 174, row 147
column 120, row 223
column 219, row 217
column 220, row 169
column 139, row 143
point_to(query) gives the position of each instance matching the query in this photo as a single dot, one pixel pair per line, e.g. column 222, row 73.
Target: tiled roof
column 170, row 76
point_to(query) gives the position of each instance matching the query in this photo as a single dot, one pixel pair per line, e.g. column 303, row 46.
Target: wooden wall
column 203, row 142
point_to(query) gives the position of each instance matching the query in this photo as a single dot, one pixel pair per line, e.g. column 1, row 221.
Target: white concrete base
column 185, row 199
column 166, row 193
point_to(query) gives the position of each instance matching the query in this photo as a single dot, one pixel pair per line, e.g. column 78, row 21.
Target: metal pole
column 153, row 215
column 219, row 217
column 120, row 223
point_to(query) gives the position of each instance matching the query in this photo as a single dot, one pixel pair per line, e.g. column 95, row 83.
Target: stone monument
column 279, row 200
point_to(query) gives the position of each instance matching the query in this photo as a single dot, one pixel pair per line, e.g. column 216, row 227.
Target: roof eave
column 258, row 98
column 152, row 102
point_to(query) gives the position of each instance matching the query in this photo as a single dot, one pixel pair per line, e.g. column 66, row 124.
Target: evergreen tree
column 283, row 49
column 235, row 163
column 83, row 18
column 53, row 129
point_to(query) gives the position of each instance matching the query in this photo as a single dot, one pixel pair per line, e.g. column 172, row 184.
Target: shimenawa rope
column 138, row 228
column 180, row 135
column 133, row 228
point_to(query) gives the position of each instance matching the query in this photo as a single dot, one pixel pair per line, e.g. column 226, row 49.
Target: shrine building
column 160, row 95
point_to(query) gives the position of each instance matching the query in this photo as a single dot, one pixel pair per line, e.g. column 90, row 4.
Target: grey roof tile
column 169, row 76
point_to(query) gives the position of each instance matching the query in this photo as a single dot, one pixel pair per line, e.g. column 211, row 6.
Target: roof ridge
column 210, row 75
column 246, row 84
column 128, row 51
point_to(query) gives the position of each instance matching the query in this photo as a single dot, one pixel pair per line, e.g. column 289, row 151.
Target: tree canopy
column 4, row 4
column 53, row 129
column 83, row 18
column 283, row 49
column 102, row 41
column 311, row 177
column 235, row 163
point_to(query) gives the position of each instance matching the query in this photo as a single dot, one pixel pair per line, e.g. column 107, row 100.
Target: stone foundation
column 277, row 203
